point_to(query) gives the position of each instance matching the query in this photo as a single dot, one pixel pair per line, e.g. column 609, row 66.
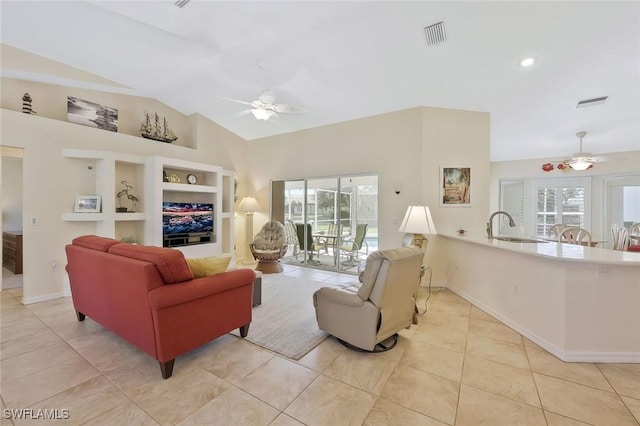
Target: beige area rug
column 285, row 322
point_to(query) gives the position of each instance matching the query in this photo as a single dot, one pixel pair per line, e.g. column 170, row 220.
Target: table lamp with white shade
column 417, row 221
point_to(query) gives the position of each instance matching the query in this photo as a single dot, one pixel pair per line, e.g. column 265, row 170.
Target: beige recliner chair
column 368, row 313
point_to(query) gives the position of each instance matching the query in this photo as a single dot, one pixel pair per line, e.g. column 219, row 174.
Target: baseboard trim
column 44, row 298
column 570, row 356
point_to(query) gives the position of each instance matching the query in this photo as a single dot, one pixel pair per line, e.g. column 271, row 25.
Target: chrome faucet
column 512, row 223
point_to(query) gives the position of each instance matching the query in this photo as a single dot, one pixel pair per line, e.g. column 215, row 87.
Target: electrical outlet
column 35, row 220
column 54, row 265
column 605, row 272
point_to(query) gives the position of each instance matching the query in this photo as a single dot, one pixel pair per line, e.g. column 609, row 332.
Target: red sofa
column 148, row 296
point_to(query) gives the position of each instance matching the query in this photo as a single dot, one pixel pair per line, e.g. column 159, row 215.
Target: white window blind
column 565, row 202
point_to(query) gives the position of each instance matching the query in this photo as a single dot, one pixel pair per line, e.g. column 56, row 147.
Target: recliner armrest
column 342, row 295
column 175, row 294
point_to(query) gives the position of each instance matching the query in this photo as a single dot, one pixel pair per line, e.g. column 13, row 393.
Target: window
column 563, row 201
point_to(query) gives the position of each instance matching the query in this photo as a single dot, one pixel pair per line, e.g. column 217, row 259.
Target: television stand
column 178, row 240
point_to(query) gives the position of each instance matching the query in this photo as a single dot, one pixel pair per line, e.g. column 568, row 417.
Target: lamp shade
column 249, row 205
column 417, row 220
column 580, row 164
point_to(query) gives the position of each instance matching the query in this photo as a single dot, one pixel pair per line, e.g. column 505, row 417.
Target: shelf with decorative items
column 181, row 187
column 191, row 219
column 130, row 194
column 83, row 217
column 111, row 169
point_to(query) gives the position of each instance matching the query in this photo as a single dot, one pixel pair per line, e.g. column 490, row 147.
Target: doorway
column 331, row 223
column 12, row 223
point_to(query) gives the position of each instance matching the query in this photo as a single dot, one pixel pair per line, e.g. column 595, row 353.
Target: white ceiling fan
column 582, row 160
column 265, row 109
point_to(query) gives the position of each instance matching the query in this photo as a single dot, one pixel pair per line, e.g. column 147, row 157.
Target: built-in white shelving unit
column 111, row 169
column 208, row 189
column 146, row 175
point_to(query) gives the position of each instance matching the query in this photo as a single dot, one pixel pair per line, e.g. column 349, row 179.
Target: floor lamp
column 249, row 205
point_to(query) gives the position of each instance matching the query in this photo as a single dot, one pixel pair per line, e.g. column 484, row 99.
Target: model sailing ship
column 155, row 131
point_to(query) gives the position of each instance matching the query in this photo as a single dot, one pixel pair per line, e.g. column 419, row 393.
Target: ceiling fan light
column 527, row 62
column 261, row 114
column 580, row 165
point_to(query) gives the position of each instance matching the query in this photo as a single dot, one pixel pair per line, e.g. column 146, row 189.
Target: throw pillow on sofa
column 205, row 266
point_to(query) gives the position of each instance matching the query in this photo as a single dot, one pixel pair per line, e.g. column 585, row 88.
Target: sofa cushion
column 170, row 262
column 205, row 266
column 94, row 242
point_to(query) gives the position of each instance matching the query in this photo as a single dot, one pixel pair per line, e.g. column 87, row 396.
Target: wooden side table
column 12, row 251
column 257, row 289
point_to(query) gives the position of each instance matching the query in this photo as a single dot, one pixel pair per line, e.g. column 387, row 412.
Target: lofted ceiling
column 346, row 60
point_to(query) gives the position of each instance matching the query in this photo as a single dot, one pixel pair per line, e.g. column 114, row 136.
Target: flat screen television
column 186, row 218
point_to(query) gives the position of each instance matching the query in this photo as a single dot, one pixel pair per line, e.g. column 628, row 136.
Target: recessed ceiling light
column 527, row 62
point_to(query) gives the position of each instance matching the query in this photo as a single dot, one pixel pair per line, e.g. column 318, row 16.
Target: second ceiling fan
column 582, row 160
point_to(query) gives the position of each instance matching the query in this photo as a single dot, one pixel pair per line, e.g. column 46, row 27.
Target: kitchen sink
column 519, row 240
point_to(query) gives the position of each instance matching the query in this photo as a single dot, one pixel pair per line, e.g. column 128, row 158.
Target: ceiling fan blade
column 267, row 97
column 274, row 117
column 241, row 113
column 235, row 100
column 599, row 158
column 288, row 109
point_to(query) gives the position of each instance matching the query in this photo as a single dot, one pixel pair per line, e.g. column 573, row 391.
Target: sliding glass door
column 331, row 223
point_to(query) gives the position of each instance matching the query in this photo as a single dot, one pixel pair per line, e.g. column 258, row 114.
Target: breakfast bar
column 580, row 303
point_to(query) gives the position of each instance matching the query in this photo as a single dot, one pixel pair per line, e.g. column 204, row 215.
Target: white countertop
column 555, row 251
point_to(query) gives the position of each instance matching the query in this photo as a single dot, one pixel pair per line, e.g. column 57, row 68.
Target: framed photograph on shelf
column 455, row 186
column 87, row 204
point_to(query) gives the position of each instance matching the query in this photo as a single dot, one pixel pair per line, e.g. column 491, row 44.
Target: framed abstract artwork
column 455, row 186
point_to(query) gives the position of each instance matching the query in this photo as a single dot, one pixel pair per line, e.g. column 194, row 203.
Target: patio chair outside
column 351, row 247
column 292, row 237
column 311, row 246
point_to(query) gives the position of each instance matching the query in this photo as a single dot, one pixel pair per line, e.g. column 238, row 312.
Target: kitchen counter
column 556, row 251
column 579, row 303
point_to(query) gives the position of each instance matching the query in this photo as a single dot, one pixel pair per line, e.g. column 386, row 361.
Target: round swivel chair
column 269, row 246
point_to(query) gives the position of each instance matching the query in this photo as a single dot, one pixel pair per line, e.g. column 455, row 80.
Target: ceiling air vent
column 591, row 102
column 435, row 34
column 181, row 3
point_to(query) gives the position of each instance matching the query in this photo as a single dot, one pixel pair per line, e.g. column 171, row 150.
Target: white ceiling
column 346, row 60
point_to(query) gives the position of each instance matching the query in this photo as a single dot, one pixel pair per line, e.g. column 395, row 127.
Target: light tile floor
column 459, row 366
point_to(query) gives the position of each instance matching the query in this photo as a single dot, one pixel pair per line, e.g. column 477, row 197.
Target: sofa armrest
column 175, row 294
column 344, row 295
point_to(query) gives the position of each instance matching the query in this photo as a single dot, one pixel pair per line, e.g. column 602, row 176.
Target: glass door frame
column 281, row 210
